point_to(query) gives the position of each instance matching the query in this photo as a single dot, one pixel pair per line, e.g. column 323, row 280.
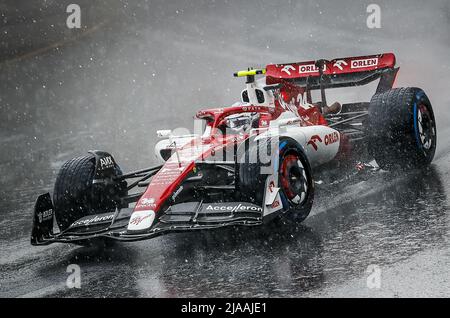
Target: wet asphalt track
column 139, row 68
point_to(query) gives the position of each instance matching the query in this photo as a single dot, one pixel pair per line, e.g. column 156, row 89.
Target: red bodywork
column 276, row 73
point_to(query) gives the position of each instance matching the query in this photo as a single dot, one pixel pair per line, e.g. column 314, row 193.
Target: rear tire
column 401, row 129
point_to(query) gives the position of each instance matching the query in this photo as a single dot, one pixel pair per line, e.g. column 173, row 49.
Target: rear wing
column 341, row 72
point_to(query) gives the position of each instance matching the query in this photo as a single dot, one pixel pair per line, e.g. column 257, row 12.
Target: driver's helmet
column 241, row 122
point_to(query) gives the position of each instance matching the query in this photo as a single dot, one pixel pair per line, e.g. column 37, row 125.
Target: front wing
column 113, row 224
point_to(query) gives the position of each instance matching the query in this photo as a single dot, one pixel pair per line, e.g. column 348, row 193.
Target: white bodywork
column 172, row 143
column 326, row 146
column 320, row 144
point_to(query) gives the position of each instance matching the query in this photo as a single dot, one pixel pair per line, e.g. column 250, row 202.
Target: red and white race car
column 251, row 163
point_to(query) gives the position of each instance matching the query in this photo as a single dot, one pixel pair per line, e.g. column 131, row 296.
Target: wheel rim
column 425, row 128
column 294, row 179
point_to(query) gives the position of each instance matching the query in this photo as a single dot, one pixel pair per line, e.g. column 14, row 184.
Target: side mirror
column 166, row 133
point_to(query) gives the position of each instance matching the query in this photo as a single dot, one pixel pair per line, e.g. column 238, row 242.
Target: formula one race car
column 251, row 163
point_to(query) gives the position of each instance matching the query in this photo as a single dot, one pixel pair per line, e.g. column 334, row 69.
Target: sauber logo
column 331, row 138
column 287, row 69
column 313, row 140
column 364, row 63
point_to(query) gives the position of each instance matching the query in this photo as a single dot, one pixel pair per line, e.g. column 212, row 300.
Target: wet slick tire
column 295, row 180
column 72, row 192
column 401, row 129
column 294, row 176
column 74, row 195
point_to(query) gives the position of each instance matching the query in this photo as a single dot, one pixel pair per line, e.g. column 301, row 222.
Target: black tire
column 74, row 195
column 401, row 129
column 252, row 182
column 300, row 180
column 73, row 188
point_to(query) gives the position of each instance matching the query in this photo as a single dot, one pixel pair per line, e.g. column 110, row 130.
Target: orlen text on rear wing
column 341, row 72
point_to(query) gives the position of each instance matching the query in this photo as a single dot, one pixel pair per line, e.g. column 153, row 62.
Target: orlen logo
column 364, row 63
column 310, row 68
column 313, row 140
column 331, row 138
column 287, row 69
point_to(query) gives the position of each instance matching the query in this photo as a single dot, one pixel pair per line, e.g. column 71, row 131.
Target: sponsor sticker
column 93, row 220
column 287, row 69
column 314, row 140
column 106, row 163
column 339, row 64
column 310, row 68
column 141, row 220
column 331, row 138
column 147, row 202
column 45, row 216
column 176, row 193
column 275, row 204
column 370, row 62
column 233, row 208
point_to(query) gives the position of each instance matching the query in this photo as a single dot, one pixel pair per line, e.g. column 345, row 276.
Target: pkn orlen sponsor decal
column 233, row 208
column 287, row 69
column 328, row 140
column 310, row 68
column 331, row 138
column 364, row 63
column 339, row 64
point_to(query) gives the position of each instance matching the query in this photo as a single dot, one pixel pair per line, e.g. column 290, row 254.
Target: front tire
column 295, row 180
column 75, row 196
column 401, row 129
column 294, row 176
